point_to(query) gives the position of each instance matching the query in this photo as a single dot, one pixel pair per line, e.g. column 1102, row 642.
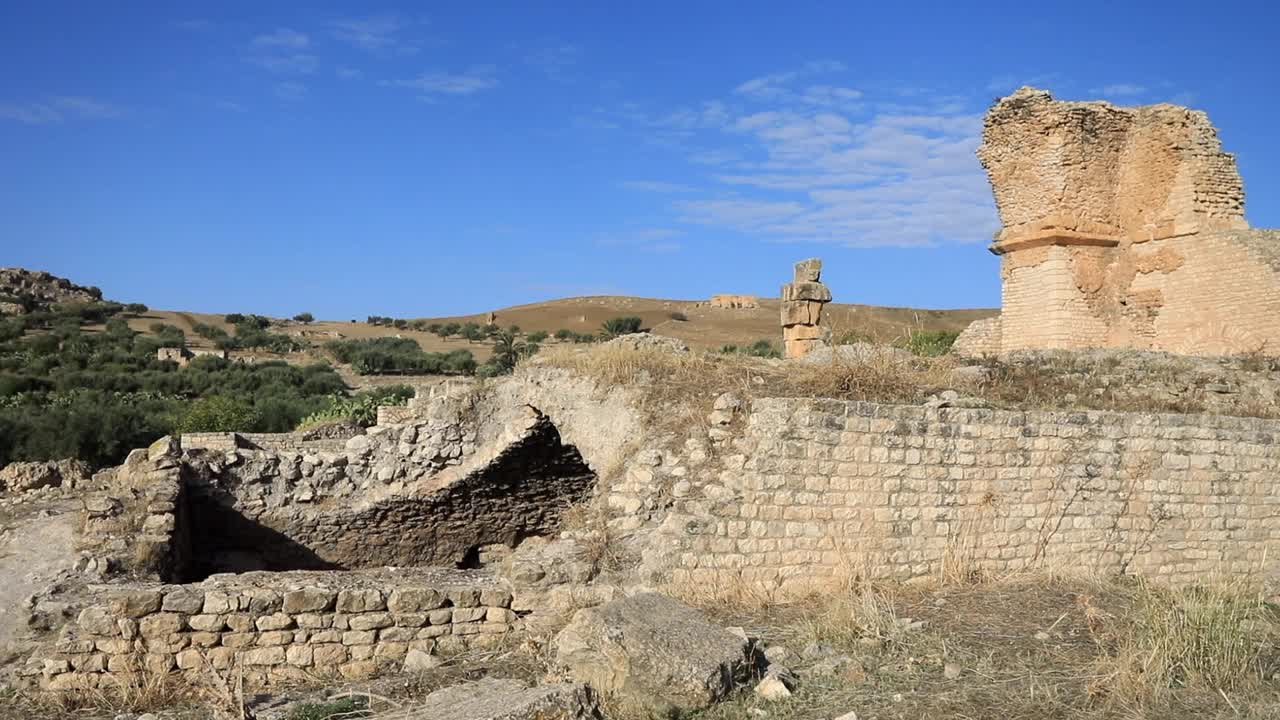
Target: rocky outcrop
column 497, row 699
column 651, row 650
column 802, row 302
column 24, row 476
column 23, row 290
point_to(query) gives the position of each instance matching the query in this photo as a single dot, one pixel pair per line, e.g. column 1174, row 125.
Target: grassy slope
column 706, row 327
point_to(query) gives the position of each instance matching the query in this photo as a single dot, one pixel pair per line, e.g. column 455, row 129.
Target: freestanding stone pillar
column 802, row 302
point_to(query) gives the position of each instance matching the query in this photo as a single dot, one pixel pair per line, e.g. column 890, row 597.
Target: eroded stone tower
column 802, row 301
column 1122, row 227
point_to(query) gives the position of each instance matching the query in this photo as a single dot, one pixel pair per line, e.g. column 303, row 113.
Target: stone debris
column 802, row 302
column 655, row 651
column 648, row 341
column 497, row 699
column 27, row 476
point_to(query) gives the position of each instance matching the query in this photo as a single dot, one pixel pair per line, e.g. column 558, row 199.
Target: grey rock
column 495, row 699
column 651, row 650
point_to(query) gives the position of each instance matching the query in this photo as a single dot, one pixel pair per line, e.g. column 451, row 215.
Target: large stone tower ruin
column 1122, row 227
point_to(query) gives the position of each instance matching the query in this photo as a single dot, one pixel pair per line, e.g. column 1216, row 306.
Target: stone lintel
column 1052, row 237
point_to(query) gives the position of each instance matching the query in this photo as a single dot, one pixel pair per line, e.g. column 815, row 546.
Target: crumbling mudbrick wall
column 1124, row 227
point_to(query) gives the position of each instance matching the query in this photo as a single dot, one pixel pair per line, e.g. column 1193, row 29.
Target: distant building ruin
column 1122, row 227
column 183, row 356
column 802, row 301
column 731, row 302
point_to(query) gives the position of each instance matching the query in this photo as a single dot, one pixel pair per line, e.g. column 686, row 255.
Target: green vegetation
column 399, row 356
column 361, row 408
column 304, row 317
column 613, row 327
column 678, row 316
column 250, row 333
column 759, row 348
column 344, row 708
column 68, row 392
column 930, row 343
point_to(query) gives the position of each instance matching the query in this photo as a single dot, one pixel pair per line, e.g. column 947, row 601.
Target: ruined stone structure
column 802, row 301
column 730, row 302
column 183, row 356
column 1123, row 227
column 813, row 490
column 279, row 626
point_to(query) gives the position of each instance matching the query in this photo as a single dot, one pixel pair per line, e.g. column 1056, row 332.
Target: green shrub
column 678, row 316
column 217, row 414
column 136, row 309
column 613, row 327
column 536, row 337
column 344, row 708
column 233, row 318
column 304, row 317
column 759, row 348
column 361, row 409
column 399, row 356
column 931, row 343
column 169, row 335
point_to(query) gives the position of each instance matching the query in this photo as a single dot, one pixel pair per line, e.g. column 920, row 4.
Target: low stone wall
column 278, row 626
column 276, row 442
column 813, row 490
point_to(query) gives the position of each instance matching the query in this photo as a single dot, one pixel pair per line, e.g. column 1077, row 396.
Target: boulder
column 495, row 699
column 650, row 650
column 24, row 476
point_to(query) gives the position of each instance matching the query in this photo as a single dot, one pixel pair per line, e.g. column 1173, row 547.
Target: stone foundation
column 276, row 626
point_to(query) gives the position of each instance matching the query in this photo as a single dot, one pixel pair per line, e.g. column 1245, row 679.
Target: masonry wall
column 1215, row 293
column 811, row 491
column 276, row 627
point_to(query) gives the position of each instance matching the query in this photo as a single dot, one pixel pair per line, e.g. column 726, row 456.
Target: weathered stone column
column 802, row 302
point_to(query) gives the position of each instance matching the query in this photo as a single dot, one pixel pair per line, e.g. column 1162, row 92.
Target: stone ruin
column 802, row 301
column 1123, row 227
column 734, row 302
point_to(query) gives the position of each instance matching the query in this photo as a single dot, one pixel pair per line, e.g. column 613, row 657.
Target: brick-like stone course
column 279, row 626
column 813, row 490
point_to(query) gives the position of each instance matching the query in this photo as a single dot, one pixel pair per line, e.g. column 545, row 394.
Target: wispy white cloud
column 656, row 186
column 57, row 109
column 473, row 80
column 858, row 172
column 375, row 33
column 1120, row 90
column 283, row 38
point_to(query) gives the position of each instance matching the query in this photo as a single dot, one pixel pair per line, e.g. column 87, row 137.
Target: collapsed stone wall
column 276, row 627
column 809, row 491
column 1124, row 227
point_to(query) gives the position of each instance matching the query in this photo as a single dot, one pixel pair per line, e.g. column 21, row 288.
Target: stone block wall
column 812, row 491
column 277, row 626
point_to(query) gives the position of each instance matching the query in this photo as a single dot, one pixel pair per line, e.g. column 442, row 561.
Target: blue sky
column 429, row 159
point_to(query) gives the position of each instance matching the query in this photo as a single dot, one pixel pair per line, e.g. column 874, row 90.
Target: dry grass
column 678, row 388
column 1029, row 647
